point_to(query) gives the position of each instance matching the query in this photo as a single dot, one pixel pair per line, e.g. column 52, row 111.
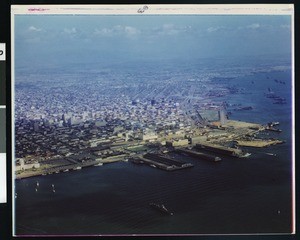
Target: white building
column 23, row 166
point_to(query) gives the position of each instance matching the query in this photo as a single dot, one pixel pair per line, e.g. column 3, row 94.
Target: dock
column 227, row 151
column 199, row 155
column 258, row 143
column 161, row 162
column 58, row 169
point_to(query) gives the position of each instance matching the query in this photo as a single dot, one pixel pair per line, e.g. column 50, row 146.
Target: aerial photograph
column 152, row 124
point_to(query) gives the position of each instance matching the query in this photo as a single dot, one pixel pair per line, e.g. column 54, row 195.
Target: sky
column 67, row 39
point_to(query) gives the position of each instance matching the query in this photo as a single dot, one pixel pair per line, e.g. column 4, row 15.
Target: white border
column 206, row 9
column 157, row 9
column 3, row 192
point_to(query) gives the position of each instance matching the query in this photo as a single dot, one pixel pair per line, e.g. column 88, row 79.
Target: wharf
column 161, row 162
column 233, row 152
column 48, row 171
column 199, row 155
column 258, row 143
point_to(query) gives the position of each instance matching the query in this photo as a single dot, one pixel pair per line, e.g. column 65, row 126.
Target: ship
column 246, row 155
column 161, row 207
column 271, row 154
column 98, row 164
column 271, row 124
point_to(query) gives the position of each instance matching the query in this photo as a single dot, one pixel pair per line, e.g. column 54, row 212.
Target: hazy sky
column 70, row 38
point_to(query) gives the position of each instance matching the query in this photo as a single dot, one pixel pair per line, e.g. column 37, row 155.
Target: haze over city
column 45, row 40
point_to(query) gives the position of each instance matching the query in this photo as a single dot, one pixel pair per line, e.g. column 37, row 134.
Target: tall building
column 222, row 116
column 36, row 126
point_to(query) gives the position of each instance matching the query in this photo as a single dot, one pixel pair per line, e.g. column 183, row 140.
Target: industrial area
column 211, row 141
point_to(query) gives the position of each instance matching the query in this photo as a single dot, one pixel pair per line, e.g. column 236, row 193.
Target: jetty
column 199, row 155
column 161, row 162
column 258, row 143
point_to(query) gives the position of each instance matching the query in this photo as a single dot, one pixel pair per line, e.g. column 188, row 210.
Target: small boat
column 37, row 184
column 66, row 170
column 246, row 155
column 99, row 164
column 161, row 207
column 271, row 154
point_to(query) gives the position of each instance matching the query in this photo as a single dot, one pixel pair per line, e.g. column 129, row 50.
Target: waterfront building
column 222, row 117
column 23, row 166
column 177, row 142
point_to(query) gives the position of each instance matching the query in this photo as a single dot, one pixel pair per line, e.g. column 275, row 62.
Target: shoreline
column 60, row 169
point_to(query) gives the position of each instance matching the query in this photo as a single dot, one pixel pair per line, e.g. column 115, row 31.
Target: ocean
column 234, row 196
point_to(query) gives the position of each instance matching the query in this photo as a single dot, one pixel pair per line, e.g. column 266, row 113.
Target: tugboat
column 161, row 208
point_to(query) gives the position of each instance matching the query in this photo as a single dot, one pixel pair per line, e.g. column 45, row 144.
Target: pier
column 258, row 143
column 199, row 155
column 233, row 152
column 161, row 162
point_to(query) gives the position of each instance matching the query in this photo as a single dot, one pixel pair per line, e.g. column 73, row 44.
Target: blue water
column 251, row 195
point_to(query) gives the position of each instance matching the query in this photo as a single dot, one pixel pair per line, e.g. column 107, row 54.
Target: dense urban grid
column 68, row 120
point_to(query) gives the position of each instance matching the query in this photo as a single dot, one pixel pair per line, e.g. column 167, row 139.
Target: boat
column 246, row 155
column 161, row 207
column 99, row 164
column 37, row 184
column 271, row 154
column 273, row 129
column 217, row 159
